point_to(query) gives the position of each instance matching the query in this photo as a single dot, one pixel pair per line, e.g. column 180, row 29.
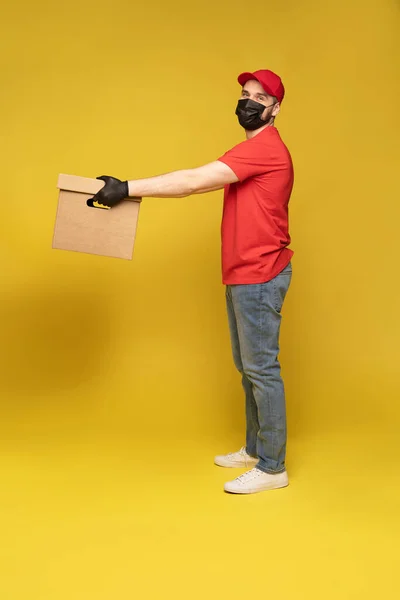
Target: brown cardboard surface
column 81, row 228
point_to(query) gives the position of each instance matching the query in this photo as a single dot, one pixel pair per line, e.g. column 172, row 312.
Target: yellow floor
column 106, row 516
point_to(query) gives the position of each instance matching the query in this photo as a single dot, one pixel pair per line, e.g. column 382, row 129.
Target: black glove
column 113, row 192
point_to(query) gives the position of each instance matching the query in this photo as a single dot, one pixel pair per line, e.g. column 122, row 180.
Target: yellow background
column 117, row 383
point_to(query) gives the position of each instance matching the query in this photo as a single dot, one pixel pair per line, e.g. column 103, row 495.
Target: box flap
column 84, row 185
column 74, row 183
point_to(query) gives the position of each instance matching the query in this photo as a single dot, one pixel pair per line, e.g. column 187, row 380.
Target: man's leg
column 257, row 309
column 252, row 425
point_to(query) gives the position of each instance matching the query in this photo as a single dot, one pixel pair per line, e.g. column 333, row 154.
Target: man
column 257, row 175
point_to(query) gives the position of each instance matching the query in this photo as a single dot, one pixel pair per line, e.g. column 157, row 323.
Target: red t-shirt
column 255, row 223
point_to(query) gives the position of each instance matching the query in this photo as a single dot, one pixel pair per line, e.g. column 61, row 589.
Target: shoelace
column 242, row 452
column 249, row 475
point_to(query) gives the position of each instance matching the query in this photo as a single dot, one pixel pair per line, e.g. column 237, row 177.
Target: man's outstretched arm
column 179, row 184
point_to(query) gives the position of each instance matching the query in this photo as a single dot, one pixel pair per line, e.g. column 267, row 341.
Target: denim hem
column 255, row 455
column 266, row 470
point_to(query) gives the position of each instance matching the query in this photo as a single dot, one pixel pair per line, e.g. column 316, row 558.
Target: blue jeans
column 254, row 314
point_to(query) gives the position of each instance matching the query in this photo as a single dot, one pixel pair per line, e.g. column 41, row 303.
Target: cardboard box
column 83, row 228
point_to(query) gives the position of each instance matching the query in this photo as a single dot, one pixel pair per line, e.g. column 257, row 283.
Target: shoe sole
column 256, row 490
column 228, row 465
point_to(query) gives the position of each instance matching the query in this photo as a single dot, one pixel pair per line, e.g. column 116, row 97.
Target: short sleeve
column 247, row 159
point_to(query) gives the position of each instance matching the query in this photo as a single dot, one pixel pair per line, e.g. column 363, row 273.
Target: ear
column 276, row 109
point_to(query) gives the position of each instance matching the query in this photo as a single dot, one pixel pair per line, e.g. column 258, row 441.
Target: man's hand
column 113, row 192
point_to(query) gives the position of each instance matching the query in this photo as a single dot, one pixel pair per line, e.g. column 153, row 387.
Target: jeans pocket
column 281, row 285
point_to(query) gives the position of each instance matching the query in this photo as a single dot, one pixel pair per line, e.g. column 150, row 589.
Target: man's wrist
column 125, row 188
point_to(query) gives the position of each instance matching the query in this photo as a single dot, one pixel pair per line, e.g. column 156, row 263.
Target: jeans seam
column 276, row 296
column 262, row 316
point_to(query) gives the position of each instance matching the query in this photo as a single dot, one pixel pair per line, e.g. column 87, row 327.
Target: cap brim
column 245, row 77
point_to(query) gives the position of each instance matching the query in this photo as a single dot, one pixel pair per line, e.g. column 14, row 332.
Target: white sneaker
column 236, row 459
column 256, row 481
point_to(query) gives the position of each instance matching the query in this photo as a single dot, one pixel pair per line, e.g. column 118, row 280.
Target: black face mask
column 249, row 114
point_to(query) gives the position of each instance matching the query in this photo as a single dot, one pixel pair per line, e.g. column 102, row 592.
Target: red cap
column 271, row 82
